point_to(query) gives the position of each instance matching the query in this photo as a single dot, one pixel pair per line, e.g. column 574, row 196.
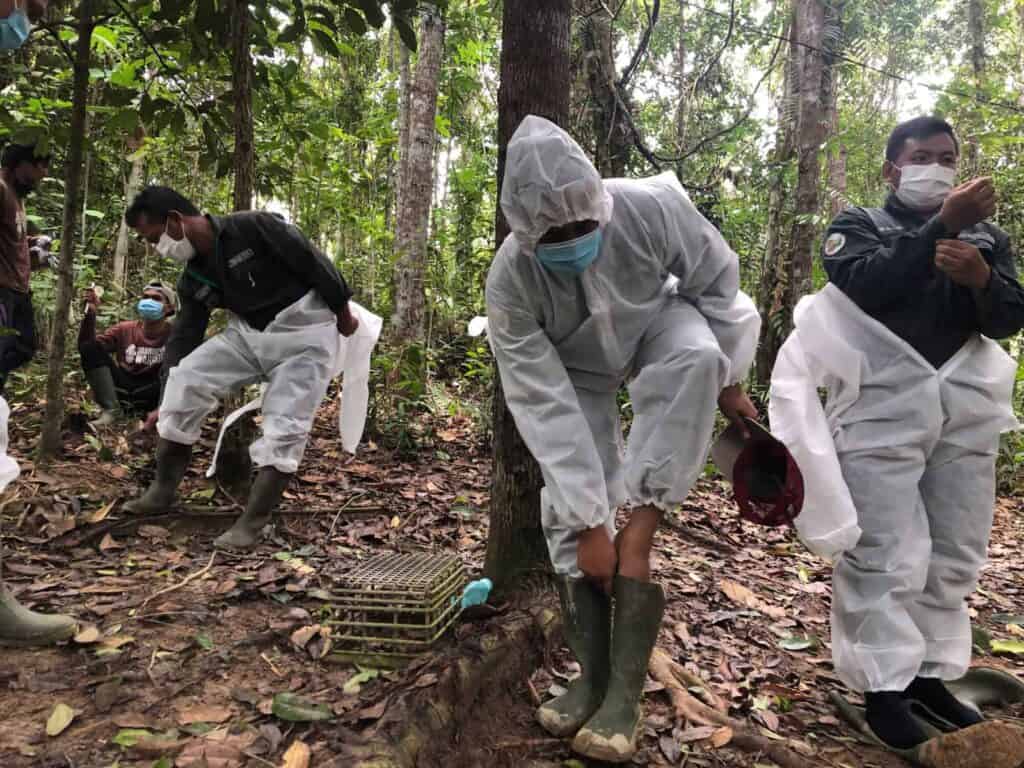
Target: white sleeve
column 543, row 403
column 828, row 522
column 709, row 276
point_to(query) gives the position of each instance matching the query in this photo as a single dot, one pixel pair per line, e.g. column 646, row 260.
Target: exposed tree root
column 688, row 707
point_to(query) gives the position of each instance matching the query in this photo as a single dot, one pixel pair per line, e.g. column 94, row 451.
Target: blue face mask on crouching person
column 572, row 256
column 14, row 30
column 151, row 309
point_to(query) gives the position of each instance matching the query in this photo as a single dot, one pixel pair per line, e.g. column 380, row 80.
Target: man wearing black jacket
column 287, row 303
column 919, row 463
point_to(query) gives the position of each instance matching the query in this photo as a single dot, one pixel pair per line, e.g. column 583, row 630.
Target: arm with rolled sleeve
column 875, row 274
column 709, row 276
column 305, row 259
column 1001, row 304
column 543, row 403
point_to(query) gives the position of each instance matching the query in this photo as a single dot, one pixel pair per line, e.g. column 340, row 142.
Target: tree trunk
column 234, row 466
column 681, row 109
column 50, row 443
column 241, row 82
column 611, row 133
column 404, row 99
column 535, row 79
column 413, row 220
column 131, row 188
column 976, row 32
column 836, row 155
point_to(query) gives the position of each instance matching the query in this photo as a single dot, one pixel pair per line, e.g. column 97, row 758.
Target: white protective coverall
column 899, row 471
column 297, row 355
column 661, row 303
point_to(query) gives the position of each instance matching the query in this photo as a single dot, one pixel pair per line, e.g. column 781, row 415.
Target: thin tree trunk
column 611, row 134
column 404, row 99
column 836, row 155
column 131, row 188
column 241, row 82
column 50, row 443
column 407, row 322
column 535, row 79
column 681, row 109
column 976, row 32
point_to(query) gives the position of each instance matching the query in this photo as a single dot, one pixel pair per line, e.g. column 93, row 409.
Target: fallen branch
column 187, row 580
column 689, row 707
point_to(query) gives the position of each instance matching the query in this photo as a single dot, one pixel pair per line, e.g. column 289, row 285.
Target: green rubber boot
column 171, row 463
column 612, row 733
column 263, row 497
column 586, row 622
column 101, row 382
column 20, row 626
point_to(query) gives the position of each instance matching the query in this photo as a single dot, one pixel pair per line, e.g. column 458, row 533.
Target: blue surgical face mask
column 572, row 256
column 14, row 30
column 151, row 309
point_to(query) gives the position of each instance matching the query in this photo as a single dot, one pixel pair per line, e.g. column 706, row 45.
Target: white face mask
column 925, row 187
column 176, row 250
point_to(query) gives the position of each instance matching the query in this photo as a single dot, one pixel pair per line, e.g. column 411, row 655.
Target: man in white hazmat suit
column 599, row 284
column 900, row 463
column 288, row 303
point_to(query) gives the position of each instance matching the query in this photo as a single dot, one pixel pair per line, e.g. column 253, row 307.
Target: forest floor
column 182, row 651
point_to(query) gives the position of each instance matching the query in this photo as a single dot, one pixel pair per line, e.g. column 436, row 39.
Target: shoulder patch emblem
column 834, row 243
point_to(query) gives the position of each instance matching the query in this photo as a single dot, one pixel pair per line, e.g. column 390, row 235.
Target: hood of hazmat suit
column 565, row 343
column 351, row 362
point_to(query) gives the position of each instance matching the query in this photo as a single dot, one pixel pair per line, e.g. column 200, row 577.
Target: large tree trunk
column 50, row 443
column 611, row 132
column 535, row 79
column 413, row 220
column 681, row 109
column 131, row 188
column 404, row 99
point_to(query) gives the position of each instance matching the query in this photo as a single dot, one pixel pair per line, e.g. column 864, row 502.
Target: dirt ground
column 183, row 650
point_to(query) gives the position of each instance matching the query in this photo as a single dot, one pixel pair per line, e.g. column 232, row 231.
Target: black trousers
column 135, row 392
column 17, row 331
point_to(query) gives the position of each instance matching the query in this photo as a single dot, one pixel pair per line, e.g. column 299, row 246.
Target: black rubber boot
column 101, row 381
column 20, row 626
column 888, row 714
column 171, row 463
column 263, row 498
column 611, row 734
column 933, row 694
column 586, row 623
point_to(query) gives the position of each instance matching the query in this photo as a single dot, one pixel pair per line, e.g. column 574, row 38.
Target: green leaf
column 129, row 737
column 124, row 76
column 1016, row 647
column 59, row 719
column 406, row 32
column 795, row 643
column 355, row 21
column 981, row 639
column 204, row 642
column 355, row 683
column 163, row 762
column 326, row 43
column 295, row 709
column 1008, row 618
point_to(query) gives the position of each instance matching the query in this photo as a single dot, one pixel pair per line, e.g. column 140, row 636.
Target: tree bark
column 50, row 442
column 131, row 188
column 535, row 79
column 404, row 98
column 611, row 133
column 241, row 83
column 976, row 32
column 413, row 220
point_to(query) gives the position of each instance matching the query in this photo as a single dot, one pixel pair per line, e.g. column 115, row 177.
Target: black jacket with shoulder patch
column 884, row 260
column 261, row 265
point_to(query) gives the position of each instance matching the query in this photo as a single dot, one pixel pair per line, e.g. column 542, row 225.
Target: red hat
column 766, row 481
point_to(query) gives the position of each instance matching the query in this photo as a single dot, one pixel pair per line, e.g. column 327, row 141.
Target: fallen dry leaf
column 301, row 637
column 101, row 514
column 204, row 713
column 88, row 634
column 721, row 737
column 743, row 596
column 216, row 750
column 108, row 543
column 297, row 756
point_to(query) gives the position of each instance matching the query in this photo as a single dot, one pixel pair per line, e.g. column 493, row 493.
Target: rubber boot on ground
column 101, row 381
column 171, row 463
column 21, row 626
column 586, row 623
column 611, row 734
column 263, row 498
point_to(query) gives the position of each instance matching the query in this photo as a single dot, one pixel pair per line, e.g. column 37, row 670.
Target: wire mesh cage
column 394, row 607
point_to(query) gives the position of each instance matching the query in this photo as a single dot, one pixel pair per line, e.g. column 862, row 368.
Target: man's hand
column 150, row 423
column 347, row 322
column 963, row 263
column 92, row 301
column 735, row 406
column 968, row 204
column 596, row 557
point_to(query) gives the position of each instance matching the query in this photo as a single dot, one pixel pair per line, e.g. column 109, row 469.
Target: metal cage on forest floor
column 392, row 608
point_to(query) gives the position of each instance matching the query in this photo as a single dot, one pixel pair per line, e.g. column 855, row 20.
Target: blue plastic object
column 476, row 593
